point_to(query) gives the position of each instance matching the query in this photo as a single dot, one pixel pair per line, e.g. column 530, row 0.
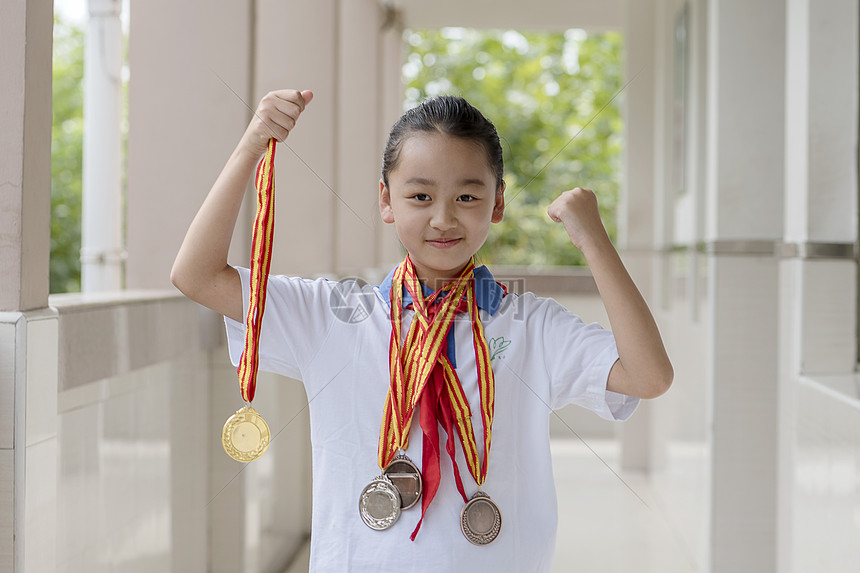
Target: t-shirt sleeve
column 296, row 321
column 578, row 358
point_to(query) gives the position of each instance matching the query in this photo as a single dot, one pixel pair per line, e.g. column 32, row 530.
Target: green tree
column 541, row 90
column 66, row 157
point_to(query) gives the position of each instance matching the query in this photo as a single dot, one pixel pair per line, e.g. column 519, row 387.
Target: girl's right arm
column 200, row 270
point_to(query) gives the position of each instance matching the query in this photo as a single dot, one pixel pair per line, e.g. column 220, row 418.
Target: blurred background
column 719, row 135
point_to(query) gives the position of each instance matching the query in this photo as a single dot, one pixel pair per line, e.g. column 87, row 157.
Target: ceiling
column 548, row 15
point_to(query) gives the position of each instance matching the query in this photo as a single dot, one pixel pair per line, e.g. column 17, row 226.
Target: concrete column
column 358, row 153
column 746, row 115
column 639, row 202
column 189, row 389
column 28, row 330
column 227, row 499
column 190, row 88
column 641, row 108
column 821, row 122
column 101, row 229
column 25, row 154
column 28, row 449
column 821, row 179
column 819, row 271
column 391, row 51
column 297, row 49
column 291, row 503
column 189, row 92
column 746, row 84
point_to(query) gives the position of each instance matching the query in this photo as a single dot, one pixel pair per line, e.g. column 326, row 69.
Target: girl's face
column 441, row 198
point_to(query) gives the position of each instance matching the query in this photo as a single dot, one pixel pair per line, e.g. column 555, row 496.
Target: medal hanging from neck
column 422, row 372
column 246, row 436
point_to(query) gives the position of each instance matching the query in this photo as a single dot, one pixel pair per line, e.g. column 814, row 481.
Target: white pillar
column 746, row 117
column 358, row 156
column 101, row 233
column 28, row 330
column 25, row 155
column 306, row 172
column 391, row 54
column 819, row 276
column 821, row 122
column 637, row 211
column 190, row 82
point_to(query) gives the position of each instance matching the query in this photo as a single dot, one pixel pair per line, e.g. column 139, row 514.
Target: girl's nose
column 443, row 218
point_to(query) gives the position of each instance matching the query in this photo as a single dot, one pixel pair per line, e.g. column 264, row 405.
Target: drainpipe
column 102, row 253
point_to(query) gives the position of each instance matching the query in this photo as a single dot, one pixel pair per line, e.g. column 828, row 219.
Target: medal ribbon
column 421, row 370
column 411, row 367
column 261, row 259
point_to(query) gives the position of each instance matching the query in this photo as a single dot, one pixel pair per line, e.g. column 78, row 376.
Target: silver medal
column 379, row 504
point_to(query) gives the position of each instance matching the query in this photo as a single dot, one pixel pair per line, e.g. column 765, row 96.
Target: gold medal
column 245, row 435
column 481, row 520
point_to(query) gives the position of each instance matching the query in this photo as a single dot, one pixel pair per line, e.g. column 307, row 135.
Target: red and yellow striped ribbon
column 261, row 260
column 412, row 363
column 460, row 404
column 415, row 362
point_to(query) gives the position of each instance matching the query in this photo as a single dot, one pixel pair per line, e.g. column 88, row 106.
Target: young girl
column 442, row 345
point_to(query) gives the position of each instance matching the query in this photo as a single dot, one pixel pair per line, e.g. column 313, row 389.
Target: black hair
column 449, row 115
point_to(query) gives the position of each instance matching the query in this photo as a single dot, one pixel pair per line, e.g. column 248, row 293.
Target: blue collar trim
column 488, row 292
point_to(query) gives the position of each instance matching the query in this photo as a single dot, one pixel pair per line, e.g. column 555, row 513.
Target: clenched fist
column 577, row 210
column 276, row 116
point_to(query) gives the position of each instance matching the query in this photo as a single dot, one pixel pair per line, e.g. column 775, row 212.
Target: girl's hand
column 577, row 211
column 276, row 116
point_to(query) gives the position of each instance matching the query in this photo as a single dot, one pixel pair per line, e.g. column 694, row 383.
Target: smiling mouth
column 443, row 243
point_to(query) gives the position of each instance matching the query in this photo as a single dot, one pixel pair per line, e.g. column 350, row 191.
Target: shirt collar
column 488, row 293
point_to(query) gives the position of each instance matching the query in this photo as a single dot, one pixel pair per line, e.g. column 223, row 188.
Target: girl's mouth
column 443, row 243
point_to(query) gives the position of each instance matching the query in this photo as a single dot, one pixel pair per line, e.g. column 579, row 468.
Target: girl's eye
column 421, row 197
column 467, row 198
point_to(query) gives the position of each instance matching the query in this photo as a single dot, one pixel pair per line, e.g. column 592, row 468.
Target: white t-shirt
column 335, row 339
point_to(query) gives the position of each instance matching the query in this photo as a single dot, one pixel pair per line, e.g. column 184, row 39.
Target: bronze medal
column 245, row 435
column 406, row 477
column 379, row 504
column 481, row 520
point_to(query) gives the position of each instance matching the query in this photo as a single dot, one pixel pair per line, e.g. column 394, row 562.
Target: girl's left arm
column 643, row 369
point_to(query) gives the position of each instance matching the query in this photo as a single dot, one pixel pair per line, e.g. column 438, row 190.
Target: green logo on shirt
column 498, row 346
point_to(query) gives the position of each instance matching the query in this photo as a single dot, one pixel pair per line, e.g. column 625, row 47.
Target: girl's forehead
column 437, row 150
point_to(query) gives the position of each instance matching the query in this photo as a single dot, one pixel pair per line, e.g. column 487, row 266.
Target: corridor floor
column 612, row 521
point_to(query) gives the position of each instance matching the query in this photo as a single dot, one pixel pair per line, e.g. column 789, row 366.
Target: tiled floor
column 609, row 521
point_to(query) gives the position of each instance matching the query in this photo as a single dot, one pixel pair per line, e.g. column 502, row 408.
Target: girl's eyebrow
column 473, row 181
column 419, row 181
column 426, row 181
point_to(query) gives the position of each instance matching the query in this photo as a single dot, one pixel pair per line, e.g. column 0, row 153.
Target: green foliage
column 540, row 90
column 66, row 157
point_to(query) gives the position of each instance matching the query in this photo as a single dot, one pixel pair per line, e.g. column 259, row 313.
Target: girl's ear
column 499, row 207
column 385, row 209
